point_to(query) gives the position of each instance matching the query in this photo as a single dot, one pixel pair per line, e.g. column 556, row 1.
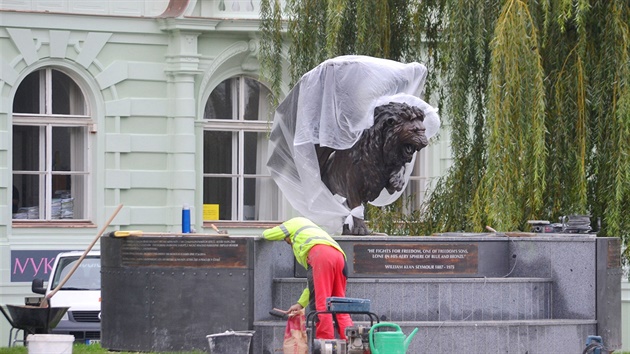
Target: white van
column 82, row 293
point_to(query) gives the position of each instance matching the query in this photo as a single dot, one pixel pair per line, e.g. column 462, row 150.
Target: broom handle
column 76, row 265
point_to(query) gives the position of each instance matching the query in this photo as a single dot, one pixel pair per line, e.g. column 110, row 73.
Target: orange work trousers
column 327, row 276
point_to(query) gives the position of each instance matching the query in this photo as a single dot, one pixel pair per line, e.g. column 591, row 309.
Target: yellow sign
column 210, row 212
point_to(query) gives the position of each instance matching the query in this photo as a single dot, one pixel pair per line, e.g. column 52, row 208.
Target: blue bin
column 347, row 304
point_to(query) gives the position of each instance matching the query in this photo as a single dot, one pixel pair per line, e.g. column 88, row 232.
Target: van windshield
column 86, row 277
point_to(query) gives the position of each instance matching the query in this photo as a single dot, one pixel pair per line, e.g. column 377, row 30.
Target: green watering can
column 389, row 342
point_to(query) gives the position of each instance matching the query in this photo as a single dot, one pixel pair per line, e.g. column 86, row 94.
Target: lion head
column 403, row 131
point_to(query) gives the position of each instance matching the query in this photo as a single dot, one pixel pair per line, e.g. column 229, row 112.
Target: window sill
column 51, row 224
column 240, row 224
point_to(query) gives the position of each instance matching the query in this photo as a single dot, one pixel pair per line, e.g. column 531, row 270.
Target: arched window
column 51, row 121
column 236, row 183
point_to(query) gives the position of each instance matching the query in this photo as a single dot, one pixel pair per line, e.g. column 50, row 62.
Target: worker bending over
column 326, row 270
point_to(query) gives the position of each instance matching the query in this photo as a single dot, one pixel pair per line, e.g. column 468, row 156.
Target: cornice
column 203, row 24
column 188, row 24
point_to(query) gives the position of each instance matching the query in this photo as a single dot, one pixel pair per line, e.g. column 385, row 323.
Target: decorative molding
column 182, row 64
column 175, row 8
column 121, row 108
column 116, row 72
column 5, row 104
column 137, row 8
column 117, row 179
column 117, row 143
column 224, row 56
column 4, row 140
column 119, row 71
column 92, row 46
column 158, row 143
column 183, row 57
column 183, row 106
column 182, row 144
column 189, row 24
column 7, row 73
column 6, row 178
column 149, row 215
column 23, row 40
column 183, row 179
column 254, row 46
column 151, row 179
column 29, row 46
column 59, row 41
column 140, row 107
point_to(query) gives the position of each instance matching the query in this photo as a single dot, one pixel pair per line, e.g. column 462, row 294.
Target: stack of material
column 32, row 212
column 66, row 205
column 576, row 223
column 55, row 211
column 61, row 209
column 67, row 208
column 21, row 214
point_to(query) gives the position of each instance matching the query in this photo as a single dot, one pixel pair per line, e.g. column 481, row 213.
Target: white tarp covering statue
column 347, row 134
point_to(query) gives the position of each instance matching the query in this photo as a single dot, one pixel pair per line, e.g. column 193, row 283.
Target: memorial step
column 440, row 299
column 470, row 337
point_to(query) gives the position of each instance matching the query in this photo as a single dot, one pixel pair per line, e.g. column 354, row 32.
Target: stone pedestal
column 168, row 293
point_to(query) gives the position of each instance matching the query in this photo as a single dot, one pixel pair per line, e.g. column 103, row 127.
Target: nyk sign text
column 31, row 264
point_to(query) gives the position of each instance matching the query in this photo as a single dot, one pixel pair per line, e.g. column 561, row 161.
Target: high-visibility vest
column 304, row 235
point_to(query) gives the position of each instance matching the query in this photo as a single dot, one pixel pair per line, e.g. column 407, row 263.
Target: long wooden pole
column 44, row 302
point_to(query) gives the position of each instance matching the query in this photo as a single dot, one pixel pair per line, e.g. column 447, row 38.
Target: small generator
column 357, row 341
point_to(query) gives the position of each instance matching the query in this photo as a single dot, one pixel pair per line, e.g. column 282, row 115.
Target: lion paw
column 396, row 182
column 359, row 228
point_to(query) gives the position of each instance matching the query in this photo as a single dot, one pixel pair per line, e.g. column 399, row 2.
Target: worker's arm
column 304, row 298
column 301, row 303
column 275, row 233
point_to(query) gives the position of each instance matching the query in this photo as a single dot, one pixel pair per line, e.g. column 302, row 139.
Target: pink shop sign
column 30, row 264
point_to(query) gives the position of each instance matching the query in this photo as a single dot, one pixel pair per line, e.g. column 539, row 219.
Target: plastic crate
column 347, row 304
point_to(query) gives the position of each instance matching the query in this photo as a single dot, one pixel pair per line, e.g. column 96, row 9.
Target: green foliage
column 317, row 30
column 536, row 93
column 511, row 190
column 465, row 65
column 396, row 219
column 271, row 46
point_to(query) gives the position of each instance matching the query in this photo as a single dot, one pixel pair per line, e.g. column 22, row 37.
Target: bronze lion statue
column 375, row 162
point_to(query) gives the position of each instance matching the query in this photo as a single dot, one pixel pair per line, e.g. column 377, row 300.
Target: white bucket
column 49, row 343
column 230, row 342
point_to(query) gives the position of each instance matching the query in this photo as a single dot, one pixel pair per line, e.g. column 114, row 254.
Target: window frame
column 238, row 126
column 418, row 186
column 46, row 121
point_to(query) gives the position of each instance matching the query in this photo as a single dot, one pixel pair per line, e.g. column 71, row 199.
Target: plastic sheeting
column 331, row 105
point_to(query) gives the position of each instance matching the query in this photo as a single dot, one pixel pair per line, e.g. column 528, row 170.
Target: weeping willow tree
column 536, row 93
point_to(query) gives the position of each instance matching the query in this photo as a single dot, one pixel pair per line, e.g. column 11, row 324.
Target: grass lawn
column 96, row 349
column 76, row 349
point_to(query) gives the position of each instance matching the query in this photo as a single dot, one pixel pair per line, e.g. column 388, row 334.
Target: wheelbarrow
column 31, row 319
column 43, row 318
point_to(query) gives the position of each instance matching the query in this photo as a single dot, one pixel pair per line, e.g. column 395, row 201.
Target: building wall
column 146, row 78
column 625, row 314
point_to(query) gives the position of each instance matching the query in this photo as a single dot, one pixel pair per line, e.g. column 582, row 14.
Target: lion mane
column 376, row 161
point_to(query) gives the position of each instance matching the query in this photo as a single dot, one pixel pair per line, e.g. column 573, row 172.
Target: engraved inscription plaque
column 426, row 258
column 177, row 252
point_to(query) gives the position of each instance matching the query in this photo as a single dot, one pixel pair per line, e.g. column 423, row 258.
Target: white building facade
column 152, row 104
